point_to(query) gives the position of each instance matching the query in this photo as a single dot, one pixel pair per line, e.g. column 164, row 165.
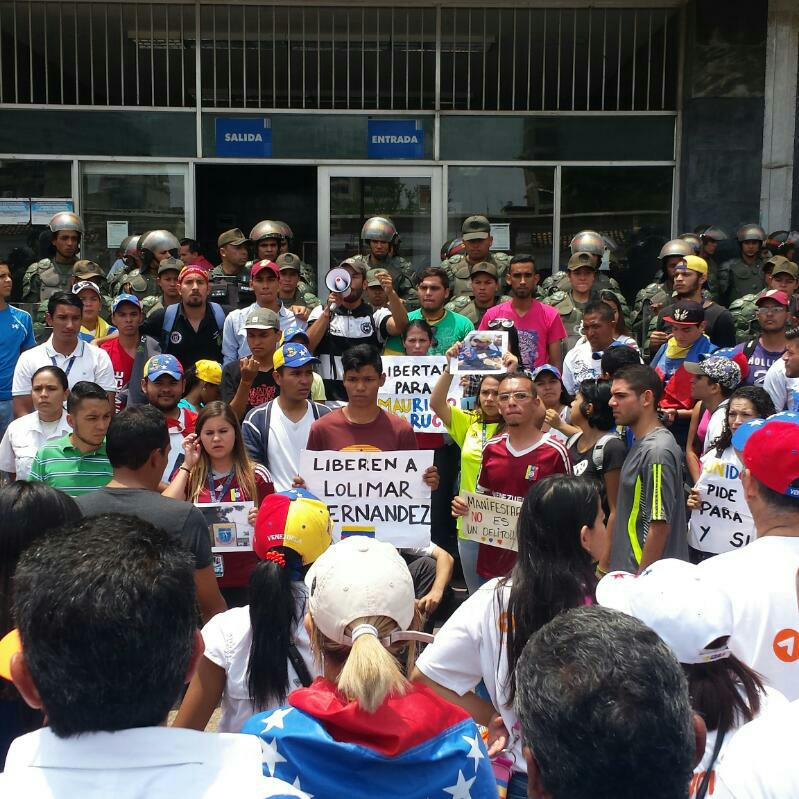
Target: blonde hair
column 241, row 460
column 370, row 673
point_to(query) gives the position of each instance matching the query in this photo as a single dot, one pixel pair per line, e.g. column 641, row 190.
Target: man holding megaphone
column 347, row 320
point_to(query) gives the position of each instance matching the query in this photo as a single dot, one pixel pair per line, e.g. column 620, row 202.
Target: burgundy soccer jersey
column 508, row 473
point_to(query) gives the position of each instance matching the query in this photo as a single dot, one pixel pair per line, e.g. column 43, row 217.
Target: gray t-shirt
column 179, row 518
column 650, row 490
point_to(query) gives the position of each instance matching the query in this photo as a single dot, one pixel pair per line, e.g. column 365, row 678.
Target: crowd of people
column 640, row 637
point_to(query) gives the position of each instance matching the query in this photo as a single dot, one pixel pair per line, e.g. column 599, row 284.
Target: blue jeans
column 468, row 551
column 517, row 787
column 6, row 415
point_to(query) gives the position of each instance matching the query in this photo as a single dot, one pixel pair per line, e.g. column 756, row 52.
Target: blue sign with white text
column 243, row 138
column 395, row 138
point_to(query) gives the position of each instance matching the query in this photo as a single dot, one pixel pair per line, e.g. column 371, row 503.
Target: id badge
column 219, row 566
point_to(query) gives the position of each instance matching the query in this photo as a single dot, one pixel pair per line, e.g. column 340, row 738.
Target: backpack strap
column 170, row 315
column 265, row 438
column 314, row 410
column 598, row 454
column 219, row 315
column 299, row 665
column 749, row 348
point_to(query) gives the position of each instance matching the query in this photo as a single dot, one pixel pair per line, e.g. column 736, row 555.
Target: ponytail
column 274, row 615
column 370, row 673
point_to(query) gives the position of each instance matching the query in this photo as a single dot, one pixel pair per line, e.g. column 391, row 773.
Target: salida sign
column 243, row 138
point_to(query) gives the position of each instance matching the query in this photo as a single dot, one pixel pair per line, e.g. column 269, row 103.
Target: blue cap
column 747, row 429
column 160, row 365
column 292, row 355
column 131, row 298
column 547, row 367
column 290, row 333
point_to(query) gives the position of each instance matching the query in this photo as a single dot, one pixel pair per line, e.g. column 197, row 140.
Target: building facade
column 637, row 119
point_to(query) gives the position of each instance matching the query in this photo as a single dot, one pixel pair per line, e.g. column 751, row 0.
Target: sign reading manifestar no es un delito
column 491, row 520
column 377, row 494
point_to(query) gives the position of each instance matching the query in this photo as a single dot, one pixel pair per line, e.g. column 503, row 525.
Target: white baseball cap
column 359, row 577
column 672, row 598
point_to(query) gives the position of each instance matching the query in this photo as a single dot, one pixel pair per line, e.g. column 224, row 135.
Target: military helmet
column 157, row 240
column 782, row 241
column 267, row 229
column 750, row 233
column 286, row 231
column 130, row 245
column 693, row 240
column 66, row 220
column 713, row 232
column 675, row 247
column 452, row 247
column 588, row 241
column 380, row 228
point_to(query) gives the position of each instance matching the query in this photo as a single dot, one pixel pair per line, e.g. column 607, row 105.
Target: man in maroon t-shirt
column 515, row 459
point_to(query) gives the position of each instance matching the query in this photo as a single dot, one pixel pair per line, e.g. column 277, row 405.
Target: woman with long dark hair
column 746, row 403
column 28, row 511
column 256, row 655
column 560, row 533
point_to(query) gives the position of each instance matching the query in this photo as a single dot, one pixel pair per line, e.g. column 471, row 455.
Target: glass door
column 409, row 196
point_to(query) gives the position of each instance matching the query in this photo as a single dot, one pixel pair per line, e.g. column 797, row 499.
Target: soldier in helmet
column 586, row 241
column 581, row 275
column 452, row 247
column 783, row 242
column 307, row 272
column 743, row 275
column 485, row 293
column 167, row 279
column 230, row 280
column 651, row 298
column 154, row 247
column 300, row 302
column 710, row 238
column 54, row 272
column 381, row 240
column 477, row 241
column 694, row 240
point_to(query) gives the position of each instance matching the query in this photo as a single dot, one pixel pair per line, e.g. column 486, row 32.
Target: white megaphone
column 339, row 281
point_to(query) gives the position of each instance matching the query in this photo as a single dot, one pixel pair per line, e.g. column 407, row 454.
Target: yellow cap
column 209, row 371
column 695, row 264
column 9, row 647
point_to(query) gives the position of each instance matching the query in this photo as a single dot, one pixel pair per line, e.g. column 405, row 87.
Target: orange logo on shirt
column 786, row 645
column 360, row 448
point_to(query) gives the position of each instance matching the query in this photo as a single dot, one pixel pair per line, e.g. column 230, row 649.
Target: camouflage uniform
column 736, row 278
column 307, row 280
column 744, row 312
column 44, row 278
column 654, row 293
column 571, row 314
column 458, row 269
column 137, row 281
column 402, row 274
column 219, row 281
column 300, row 297
column 560, row 282
column 464, row 305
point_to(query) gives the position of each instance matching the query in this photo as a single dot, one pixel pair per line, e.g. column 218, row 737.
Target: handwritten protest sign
column 228, row 527
column 377, row 494
column 722, row 522
column 491, row 520
column 409, row 384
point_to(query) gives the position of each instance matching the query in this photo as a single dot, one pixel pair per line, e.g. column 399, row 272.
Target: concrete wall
column 723, row 110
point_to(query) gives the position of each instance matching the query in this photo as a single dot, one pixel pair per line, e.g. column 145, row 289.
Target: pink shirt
column 538, row 328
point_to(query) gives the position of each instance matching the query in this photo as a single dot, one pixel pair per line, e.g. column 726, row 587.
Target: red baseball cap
column 259, row 266
column 190, row 270
column 774, row 294
column 771, row 453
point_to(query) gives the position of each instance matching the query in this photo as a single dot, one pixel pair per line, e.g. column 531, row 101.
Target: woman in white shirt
column 256, row 655
column 25, row 435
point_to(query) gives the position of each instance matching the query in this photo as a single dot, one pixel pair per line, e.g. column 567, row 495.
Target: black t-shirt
column 613, row 454
column 179, row 518
column 263, row 388
column 183, row 341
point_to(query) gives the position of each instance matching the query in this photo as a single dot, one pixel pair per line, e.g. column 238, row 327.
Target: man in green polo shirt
column 77, row 463
column 449, row 327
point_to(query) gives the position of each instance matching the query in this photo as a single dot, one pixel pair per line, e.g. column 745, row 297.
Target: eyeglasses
column 518, row 396
column 500, row 322
column 771, row 310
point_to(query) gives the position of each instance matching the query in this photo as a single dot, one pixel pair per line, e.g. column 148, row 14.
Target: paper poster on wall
column 481, row 353
column 43, row 209
column 722, row 521
column 15, row 211
column 491, row 520
column 377, row 494
column 228, row 526
column 115, row 231
column 409, row 384
column 500, row 232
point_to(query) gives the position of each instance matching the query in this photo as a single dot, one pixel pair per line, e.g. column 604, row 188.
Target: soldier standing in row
column 307, row 272
column 783, row 242
column 142, row 281
column 290, row 294
column 381, row 240
column 477, row 240
column 54, row 273
column 485, row 293
column 743, row 275
column 592, row 243
column 710, row 238
column 167, row 279
column 230, row 280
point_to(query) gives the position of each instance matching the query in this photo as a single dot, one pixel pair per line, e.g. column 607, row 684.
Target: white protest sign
column 409, row 384
column 722, row 522
column 491, row 520
column 228, row 525
column 378, row 494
